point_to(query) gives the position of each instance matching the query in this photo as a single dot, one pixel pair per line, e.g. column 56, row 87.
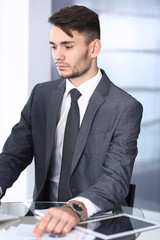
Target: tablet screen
column 119, row 224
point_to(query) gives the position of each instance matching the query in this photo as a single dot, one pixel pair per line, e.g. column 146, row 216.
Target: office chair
column 131, row 195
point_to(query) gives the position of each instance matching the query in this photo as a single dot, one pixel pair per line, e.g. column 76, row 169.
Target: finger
column 68, row 227
column 68, row 220
column 52, row 224
column 57, row 226
column 58, row 221
column 42, row 225
column 71, row 223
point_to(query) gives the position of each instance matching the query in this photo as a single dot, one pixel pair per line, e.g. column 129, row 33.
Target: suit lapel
column 97, row 99
column 52, row 118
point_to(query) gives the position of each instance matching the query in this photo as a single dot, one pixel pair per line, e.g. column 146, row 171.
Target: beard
column 77, row 70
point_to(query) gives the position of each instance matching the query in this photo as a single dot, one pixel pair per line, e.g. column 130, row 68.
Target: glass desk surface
column 22, row 209
column 25, row 213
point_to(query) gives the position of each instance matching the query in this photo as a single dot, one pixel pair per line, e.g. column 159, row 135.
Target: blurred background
column 130, row 56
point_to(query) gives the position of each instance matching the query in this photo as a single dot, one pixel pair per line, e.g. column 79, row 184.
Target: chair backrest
column 131, row 195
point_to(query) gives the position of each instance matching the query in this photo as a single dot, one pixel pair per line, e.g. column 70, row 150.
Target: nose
column 58, row 54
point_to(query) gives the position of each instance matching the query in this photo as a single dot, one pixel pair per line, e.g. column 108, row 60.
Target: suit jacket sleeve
column 114, row 153
column 17, row 152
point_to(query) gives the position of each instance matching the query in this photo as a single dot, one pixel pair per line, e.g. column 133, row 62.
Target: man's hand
column 57, row 220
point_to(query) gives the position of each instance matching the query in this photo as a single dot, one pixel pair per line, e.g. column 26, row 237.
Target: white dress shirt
column 86, row 89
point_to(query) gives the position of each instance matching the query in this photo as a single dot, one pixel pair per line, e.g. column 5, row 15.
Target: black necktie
column 70, row 137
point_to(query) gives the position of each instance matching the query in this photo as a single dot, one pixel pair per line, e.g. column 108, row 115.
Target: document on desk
column 25, row 232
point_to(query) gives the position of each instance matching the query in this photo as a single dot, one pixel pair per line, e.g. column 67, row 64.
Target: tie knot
column 75, row 94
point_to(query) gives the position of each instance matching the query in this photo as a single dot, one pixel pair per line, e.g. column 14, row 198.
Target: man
column 105, row 148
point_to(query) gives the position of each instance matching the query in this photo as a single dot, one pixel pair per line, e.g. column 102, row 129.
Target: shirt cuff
column 90, row 206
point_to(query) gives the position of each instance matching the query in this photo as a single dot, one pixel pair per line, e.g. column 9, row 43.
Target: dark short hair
column 77, row 18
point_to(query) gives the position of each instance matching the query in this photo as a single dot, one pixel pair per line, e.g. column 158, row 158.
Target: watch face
column 77, row 207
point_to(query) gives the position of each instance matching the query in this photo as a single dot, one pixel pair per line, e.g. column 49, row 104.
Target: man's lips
column 61, row 65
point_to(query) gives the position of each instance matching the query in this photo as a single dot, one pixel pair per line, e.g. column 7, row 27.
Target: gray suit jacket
column 105, row 150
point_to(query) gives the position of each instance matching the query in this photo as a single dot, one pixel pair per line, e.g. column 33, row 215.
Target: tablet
column 117, row 226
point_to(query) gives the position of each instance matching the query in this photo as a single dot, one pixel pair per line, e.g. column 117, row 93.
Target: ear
column 95, row 48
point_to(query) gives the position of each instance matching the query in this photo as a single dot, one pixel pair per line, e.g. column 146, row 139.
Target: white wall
column 39, row 60
column 13, row 73
column 24, row 61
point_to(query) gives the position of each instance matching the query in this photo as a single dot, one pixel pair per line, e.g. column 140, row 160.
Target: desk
column 25, row 210
column 154, row 234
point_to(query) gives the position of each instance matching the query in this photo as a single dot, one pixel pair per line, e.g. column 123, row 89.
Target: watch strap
column 78, row 208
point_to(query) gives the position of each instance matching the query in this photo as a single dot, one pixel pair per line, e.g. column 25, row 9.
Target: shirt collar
column 87, row 88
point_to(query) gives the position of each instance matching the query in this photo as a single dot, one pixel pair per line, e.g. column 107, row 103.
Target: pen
column 52, row 235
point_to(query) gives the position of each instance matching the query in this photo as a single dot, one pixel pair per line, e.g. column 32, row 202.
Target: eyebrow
column 62, row 43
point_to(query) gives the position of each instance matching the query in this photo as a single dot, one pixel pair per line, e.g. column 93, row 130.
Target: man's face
column 71, row 54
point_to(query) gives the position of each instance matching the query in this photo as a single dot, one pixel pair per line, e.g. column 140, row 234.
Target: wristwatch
column 77, row 208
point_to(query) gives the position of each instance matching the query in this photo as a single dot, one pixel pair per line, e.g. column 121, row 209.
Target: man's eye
column 53, row 47
column 68, row 47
